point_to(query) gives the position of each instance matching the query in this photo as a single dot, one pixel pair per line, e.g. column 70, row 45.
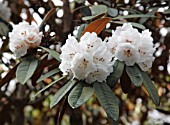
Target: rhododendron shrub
column 92, row 62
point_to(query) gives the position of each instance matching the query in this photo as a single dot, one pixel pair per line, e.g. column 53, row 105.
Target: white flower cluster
column 5, row 11
column 23, row 37
column 130, row 46
column 89, row 59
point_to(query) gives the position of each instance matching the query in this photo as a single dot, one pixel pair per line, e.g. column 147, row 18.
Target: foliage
column 121, row 96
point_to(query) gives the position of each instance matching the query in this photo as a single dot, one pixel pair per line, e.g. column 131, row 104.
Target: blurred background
column 136, row 108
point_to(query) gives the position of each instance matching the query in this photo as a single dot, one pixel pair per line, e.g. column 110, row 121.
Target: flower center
column 142, row 52
column 72, row 55
column 83, row 64
column 145, row 65
column 128, row 53
column 18, row 47
column 89, row 46
column 128, row 41
column 95, row 73
column 31, row 38
column 24, row 33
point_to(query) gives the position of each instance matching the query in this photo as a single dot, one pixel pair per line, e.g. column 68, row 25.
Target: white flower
column 112, row 43
column 5, row 11
column 145, row 46
column 65, row 67
column 90, row 59
column 124, row 34
column 82, row 65
column 18, row 47
column 145, row 66
column 125, row 27
column 128, row 53
column 103, row 57
column 130, row 36
column 24, row 34
column 90, row 42
column 128, row 45
column 100, row 74
column 70, row 48
column 127, row 34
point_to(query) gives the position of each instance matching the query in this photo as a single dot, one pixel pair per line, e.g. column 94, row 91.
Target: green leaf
column 26, row 69
column 50, row 73
column 107, row 99
column 133, row 16
column 133, row 24
column 151, row 13
column 118, row 68
column 55, row 54
column 84, row 10
column 167, row 11
column 150, row 88
column 3, row 29
column 46, row 87
column 112, row 12
column 80, row 30
column 92, row 17
column 62, row 92
column 99, row 9
column 80, row 94
column 135, row 75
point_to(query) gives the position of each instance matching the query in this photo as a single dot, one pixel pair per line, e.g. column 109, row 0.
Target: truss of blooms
column 92, row 59
column 5, row 11
column 23, row 37
column 130, row 46
column 89, row 59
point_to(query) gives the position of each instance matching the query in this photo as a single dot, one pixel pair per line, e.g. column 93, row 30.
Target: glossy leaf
column 26, row 69
column 112, row 12
column 167, row 11
column 50, row 73
column 135, row 75
column 80, row 30
column 3, row 29
column 107, row 99
column 98, row 9
column 84, row 10
column 55, row 54
column 150, row 88
column 62, row 92
column 151, row 13
column 132, row 16
column 118, row 68
column 97, row 26
column 94, row 17
column 80, row 94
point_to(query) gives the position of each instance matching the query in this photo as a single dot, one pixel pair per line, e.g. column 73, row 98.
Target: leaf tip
column 51, row 105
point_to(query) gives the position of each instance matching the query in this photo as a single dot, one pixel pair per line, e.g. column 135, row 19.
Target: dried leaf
column 97, row 26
